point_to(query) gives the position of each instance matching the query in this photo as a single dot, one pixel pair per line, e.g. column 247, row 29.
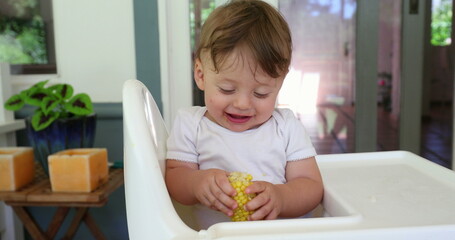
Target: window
column 441, row 22
column 26, row 36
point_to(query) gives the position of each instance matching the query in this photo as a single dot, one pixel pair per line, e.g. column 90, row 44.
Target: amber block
column 78, row 170
column 17, row 167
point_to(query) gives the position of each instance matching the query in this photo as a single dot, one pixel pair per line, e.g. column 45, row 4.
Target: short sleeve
column 181, row 140
column 298, row 144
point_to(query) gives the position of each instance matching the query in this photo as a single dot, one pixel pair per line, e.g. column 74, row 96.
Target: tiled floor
column 331, row 130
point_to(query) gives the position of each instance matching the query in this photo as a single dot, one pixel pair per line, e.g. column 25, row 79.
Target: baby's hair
column 253, row 23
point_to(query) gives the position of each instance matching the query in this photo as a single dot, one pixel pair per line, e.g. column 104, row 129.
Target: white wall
column 95, row 46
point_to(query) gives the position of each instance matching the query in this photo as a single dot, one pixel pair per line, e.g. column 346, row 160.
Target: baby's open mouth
column 237, row 118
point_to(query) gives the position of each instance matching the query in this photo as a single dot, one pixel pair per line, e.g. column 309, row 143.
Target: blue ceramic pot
column 75, row 132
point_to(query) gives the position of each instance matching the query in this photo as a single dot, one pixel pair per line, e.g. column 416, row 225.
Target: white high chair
column 150, row 211
column 385, row 195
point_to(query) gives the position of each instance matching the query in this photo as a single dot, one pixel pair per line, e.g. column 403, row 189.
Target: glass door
column 320, row 85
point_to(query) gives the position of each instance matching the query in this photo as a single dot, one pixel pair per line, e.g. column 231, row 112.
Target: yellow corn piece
column 239, row 182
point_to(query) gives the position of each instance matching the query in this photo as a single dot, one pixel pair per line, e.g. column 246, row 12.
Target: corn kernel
column 239, row 182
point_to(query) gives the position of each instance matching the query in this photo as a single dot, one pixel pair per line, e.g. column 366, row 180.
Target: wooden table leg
column 93, row 228
column 30, row 223
column 57, row 221
column 80, row 214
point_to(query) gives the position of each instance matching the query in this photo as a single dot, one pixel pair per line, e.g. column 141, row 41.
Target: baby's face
column 238, row 97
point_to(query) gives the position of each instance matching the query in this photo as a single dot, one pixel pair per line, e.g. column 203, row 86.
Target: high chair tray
column 380, row 195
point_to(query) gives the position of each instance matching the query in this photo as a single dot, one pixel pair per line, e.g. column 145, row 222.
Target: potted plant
column 60, row 121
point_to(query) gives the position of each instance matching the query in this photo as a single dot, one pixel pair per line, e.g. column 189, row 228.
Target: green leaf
column 24, row 93
column 41, row 121
column 36, row 87
column 40, row 84
column 48, row 104
column 14, row 103
column 36, row 95
column 80, row 104
column 63, row 91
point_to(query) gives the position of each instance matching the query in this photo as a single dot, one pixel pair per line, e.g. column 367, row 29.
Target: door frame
column 365, row 127
column 413, row 53
column 175, row 57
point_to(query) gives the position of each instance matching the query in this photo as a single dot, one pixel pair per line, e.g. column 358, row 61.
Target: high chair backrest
column 150, row 210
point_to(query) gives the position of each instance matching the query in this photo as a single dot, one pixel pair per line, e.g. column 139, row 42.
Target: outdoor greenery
column 207, row 7
column 22, row 41
column 54, row 102
column 22, row 32
column 441, row 23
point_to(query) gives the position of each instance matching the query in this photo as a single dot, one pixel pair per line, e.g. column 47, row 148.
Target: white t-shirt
column 263, row 152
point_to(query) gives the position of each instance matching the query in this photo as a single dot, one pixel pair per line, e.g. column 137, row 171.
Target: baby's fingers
column 263, row 208
column 213, row 201
column 256, row 187
column 223, row 183
column 263, row 204
column 218, row 205
column 224, row 192
column 257, row 202
column 266, row 212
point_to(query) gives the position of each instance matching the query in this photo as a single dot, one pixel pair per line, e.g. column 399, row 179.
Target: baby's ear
column 199, row 74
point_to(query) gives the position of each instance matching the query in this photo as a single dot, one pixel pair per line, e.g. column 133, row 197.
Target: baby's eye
column 261, row 95
column 227, row 91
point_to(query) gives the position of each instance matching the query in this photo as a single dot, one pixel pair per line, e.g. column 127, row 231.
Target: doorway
column 320, row 87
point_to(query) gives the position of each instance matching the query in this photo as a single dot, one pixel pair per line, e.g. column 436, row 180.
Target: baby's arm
column 189, row 185
column 301, row 194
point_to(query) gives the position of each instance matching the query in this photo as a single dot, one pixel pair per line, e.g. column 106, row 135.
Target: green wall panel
column 147, row 46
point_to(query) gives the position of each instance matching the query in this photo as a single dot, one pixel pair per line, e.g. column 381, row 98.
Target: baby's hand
column 212, row 188
column 267, row 204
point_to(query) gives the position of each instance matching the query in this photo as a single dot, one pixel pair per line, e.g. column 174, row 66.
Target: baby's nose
column 242, row 102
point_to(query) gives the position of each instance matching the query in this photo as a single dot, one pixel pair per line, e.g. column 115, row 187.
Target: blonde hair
column 253, row 23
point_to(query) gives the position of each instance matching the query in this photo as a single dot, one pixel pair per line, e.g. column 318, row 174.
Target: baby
column 241, row 62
